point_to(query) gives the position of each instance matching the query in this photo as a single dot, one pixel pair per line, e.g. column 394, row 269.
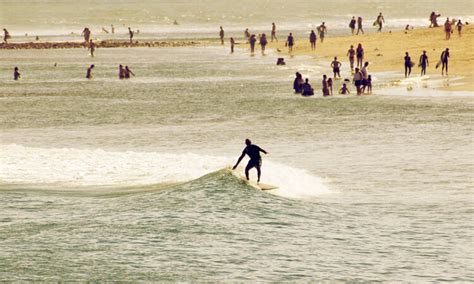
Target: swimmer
column 16, row 74
column 444, row 60
column 253, row 151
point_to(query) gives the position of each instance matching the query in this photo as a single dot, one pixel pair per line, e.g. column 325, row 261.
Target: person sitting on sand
column 444, row 61
column 352, row 25
column 253, row 151
column 281, row 61
column 16, row 74
column 127, row 73
column 344, row 90
column 336, row 67
column 360, row 55
column 232, row 44
column 351, row 55
column 307, row 89
column 91, row 47
column 298, row 83
column 448, row 28
column 274, row 37
column 312, row 39
column 130, row 34
column 290, row 42
column 89, row 74
column 263, row 43
column 322, row 31
column 423, row 62
column 358, row 80
column 359, row 26
column 380, row 20
column 369, row 84
column 325, row 87
column 252, row 41
column 407, row 60
column 459, row 26
column 6, row 36
column 221, row 35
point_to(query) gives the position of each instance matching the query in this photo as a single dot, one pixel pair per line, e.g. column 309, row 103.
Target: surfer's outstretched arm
column 238, row 161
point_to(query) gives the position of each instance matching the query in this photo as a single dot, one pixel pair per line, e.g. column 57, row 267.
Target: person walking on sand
column 121, row 72
column 6, row 36
column 357, row 80
column 423, row 62
column 130, row 34
column 360, row 55
column 325, row 87
column 263, row 43
column 274, row 37
column 89, row 74
column 312, row 40
column 127, row 73
column 221, row 35
column 380, row 20
column 252, row 41
column 444, row 61
column 459, row 26
column 352, row 25
column 359, row 26
column 336, row 68
column 322, row 31
column 91, row 47
column 16, row 74
column 290, row 42
column 232, row 44
column 407, row 60
column 253, row 151
column 351, row 55
column 87, row 34
column 448, row 28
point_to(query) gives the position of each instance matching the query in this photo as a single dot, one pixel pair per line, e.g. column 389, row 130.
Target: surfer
column 253, row 151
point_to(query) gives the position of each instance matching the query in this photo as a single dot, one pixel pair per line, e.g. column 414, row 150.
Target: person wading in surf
column 253, row 151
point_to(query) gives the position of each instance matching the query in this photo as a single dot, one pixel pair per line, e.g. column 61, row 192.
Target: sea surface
column 128, row 180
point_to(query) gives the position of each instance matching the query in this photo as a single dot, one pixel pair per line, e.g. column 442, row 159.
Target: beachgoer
column 253, row 151
column 121, row 72
column 352, row 25
column 298, row 83
column 344, row 90
column 307, row 90
column 359, row 26
column 130, row 34
column 6, row 36
column 175, row 23
column 16, row 74
column 221, row 35
column 448, row 28
column 423, row 63
column 87, row 34
column 112, row 28
column 365, row 75
column 232, row 43
column 459, row 26
column 380, row 20
column 89, row 74
column 325, row 89
column 274, row 37
column 290, row 42
column 369, row 84
column 330, row 85
column 322, row 31
column 252, row 41
column 336, row 67
column 358, row 80
column 444, row 61
column 407, row 60
column 91, row 47
column 434, row 20
column 127, row 73
column 263, row 43
column 247, row 34
column 281, row 61
column 360, row 55
column 351, row 55
column 312, row 39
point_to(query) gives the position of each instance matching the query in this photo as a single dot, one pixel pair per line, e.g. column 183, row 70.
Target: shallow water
column 103, row 179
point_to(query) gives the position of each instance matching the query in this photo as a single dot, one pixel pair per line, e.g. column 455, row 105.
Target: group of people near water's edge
column 124, row 72
column 423, row 63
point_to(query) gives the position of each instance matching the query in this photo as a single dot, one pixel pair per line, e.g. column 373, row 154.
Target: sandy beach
column 385, row 51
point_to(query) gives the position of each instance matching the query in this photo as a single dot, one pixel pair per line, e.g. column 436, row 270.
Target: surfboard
column 260, row 186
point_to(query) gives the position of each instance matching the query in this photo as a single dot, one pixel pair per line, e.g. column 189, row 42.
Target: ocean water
column 128, row 180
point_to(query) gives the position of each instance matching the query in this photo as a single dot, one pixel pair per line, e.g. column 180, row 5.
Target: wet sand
column 98, row 44
column 385, row 51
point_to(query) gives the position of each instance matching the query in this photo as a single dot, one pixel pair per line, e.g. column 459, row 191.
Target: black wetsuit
column 253, row 151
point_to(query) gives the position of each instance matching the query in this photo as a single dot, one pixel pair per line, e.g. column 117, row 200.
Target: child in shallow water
column 330, row 85
column 369, row 84
column 344, row 90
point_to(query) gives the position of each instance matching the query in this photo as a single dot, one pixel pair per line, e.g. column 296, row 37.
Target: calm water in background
column 124, row 180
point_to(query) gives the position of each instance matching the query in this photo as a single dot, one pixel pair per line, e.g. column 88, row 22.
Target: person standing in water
column 407, row 60
column 232, row 43
column 274, row 37
column 252, row 41
column 89, row 74
column 351, row 55
column 358, row 80
column 263, row 43
column 127, row 73
column 16, row 74
column 221, row 35
column 336, row 67
column 380, row 20
column 87, row 34
column 312, row 40
column 121, row 72
column 359, row 26
column 423, row 62
column 247, row 34
column 130, row 34
column 290, row 42
column 322, row 31
column 360, row 55
column 253, row 151
column 6, row 36
column 459, row 26
column 444, row 61
column 91, row 47
column 352, row 25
